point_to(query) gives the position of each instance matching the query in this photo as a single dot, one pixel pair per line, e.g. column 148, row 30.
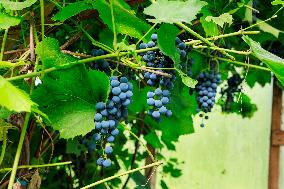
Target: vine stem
column 145, row 146
column 146, row 34
column 235, row 62
column 222, row 49
column 206, row 41
column 42, row 18
column 3, row 145
column 19, row 150
column 113, row 25
column 37, row 166
column 3, row 44
column 115, row 54
column 122, row 174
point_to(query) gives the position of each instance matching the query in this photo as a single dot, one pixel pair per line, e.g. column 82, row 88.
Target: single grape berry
column 106, row 163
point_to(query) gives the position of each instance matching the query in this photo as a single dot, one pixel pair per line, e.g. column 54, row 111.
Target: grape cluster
column 111, row 113
column 206, row 90
column 231, row 89
column 158, row 100
column 159, row 60
column 101, row 65
column 187, row 66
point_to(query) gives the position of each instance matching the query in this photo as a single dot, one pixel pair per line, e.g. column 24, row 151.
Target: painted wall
column 230, row 152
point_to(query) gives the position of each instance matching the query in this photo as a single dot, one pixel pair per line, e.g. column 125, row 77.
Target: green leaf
column 153, row 140
column 258, row 76
column 166, row 40
column 4, row 113
column 210, row 28
column 10, row 5
column 13, row 98
column 188, row 81
column 243, row 107
column 273, row 62
column 277, row 2
column 139, row 99
column 71, row 10
column 163, row 184
column 174, row 11
column 6, row 21
column 125, row 21
column 220, row 20
column 69, row 96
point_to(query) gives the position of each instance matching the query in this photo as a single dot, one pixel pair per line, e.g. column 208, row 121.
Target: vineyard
column 92, row 92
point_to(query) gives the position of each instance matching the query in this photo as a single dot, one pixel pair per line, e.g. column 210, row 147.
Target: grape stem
column 223, row 49
column 122, row 174
column 135, row 136
column 36, row 166
column 115, row 54
column 234, row 61
column 206, row 41
column 3, row 44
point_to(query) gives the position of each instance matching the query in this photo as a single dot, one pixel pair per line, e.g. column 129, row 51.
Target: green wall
column 230, row 152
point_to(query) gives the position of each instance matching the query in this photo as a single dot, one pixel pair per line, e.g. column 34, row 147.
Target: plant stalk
column 19, row 150
column 122, row 174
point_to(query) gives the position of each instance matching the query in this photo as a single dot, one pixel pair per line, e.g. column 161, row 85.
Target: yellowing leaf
column 6, row 21
column 220, row 20
column 13, row 98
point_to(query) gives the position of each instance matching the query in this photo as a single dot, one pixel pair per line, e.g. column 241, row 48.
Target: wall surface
column 230, row 152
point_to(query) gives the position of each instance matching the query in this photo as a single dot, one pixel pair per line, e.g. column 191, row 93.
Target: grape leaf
column 69, row 96
column 10, row 5
column 139, row 99
column 277, row 2
column 174, row 11
column 210, row 28
column 4, row 113
column 220, row 20
column 125, row 21
column 166, row 40
column 258, row 76
column 13, row 98
column 273, row 62
column 152, row 139
column 71, row 10
column 6, row 21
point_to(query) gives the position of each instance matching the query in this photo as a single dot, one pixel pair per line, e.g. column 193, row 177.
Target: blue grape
column 156, row 114
column 100, row 161
column 108, row 150
column 110, row 139
column 114, row 132
column 116, row 91
column 143, row 46
column 154, row 37
column 106, row 163
column 98, row 117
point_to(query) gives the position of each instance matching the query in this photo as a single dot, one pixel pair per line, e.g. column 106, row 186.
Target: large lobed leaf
column 13, row 98
column 71, row 10
column 69, row 96
column 273, row 62
column 174, row 11
column 10, row 5
column 6, row 21
column 125, row 21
